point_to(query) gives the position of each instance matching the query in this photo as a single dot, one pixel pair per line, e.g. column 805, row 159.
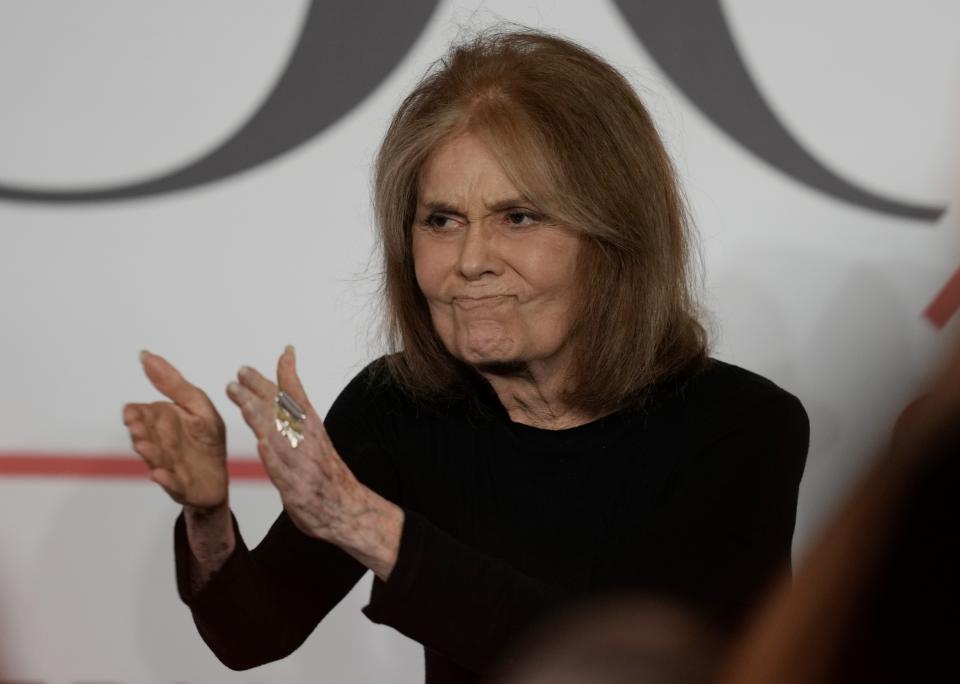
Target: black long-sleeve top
column 692, row 497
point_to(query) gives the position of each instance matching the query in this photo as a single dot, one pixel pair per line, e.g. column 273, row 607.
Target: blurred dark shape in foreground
column 877, row 598
column 621, row 640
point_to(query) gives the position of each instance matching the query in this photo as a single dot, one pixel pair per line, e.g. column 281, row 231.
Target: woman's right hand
column 183, row 441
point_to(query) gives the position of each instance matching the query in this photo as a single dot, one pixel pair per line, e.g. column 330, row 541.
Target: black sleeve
column 464, row 604
column 726, row 531
column 262, row 604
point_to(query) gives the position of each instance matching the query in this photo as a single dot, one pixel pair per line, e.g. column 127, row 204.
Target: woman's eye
column 438, row 222
column 522, row 218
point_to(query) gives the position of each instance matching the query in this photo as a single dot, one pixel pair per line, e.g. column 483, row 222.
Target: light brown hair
column 574, row 138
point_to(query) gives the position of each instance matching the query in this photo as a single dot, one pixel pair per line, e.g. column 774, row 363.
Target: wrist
column 372, row 535
column 204, row 513
column 209, row 532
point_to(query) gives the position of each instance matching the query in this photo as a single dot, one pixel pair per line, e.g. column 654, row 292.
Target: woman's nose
column 479, row 254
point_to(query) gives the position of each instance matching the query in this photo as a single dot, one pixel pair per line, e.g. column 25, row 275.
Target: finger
column 131, row 413
column 145, row 414
column 138, row 430
column 267, row 454
column 141, row 413
column 257, row 383
column 273, row 464
column 256, row 412
column 139, row 421
column 149, row 452
column 288, row 379
column 172, row 385
column 169, row 483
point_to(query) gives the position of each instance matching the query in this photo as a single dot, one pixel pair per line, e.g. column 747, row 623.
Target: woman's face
column 500, row 282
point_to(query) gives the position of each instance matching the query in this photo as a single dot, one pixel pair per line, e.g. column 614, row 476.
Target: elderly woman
column 549, row 426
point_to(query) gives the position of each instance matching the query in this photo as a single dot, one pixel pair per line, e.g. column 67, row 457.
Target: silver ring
column 289, row 418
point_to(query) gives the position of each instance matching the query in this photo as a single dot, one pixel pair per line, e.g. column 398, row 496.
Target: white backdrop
column 824, row 297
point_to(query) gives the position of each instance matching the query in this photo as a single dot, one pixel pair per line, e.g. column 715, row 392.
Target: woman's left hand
column 319, row 493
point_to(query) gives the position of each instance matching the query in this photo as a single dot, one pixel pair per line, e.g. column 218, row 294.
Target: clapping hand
column 319, row 493
column 182, row 441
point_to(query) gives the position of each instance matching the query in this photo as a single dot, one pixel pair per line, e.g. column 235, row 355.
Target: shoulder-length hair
column 573, row 137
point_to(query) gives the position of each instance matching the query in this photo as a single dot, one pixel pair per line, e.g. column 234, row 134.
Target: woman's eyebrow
column 508, row 203
column 500, row 205
column 434, row 205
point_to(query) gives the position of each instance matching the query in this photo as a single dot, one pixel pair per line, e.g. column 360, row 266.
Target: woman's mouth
column 478, row 302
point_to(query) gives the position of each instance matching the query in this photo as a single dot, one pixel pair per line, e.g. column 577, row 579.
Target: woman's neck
column 533, row 394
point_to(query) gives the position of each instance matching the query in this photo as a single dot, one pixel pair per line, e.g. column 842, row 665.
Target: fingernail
column 143, row 355
column 289, row 349
column 233, row 388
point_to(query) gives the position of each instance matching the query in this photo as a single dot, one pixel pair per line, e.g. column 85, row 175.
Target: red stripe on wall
column 35, row 464
column 946, row 303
